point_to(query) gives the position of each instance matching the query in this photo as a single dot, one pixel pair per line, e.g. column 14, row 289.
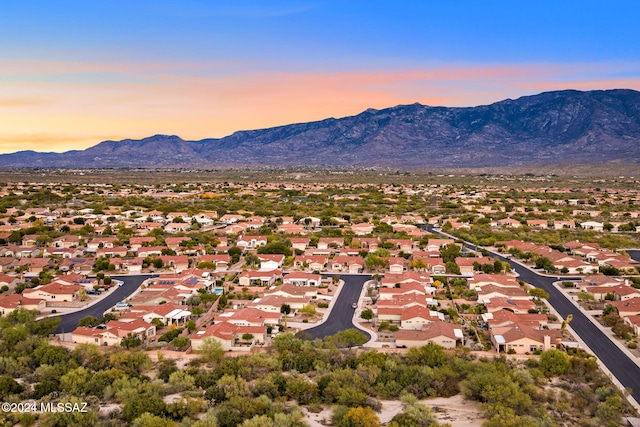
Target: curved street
column 131, row 283
column 634, row 254
column 341, row 315
column 617, row 362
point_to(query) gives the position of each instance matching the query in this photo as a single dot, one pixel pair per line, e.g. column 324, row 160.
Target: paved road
column 131, row 283
column 341, row 315
column 618, row 363
column 634, row 254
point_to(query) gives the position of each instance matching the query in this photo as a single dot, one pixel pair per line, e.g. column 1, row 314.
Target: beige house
column 350, row 264
column 397, row 265
column 405, row 288
column 436, row 244
column 16, row 301
column 438, row 332
column 302, row 279
column 273, row 303
column 271, row 261
column 113, row 332
column 310, row 262
column 523, row 339
column 259, row 278
column 251, row 242
column 634, row 322
column 466, row 264
column 168, row 314
column 288, row 290
column 54, row 292
column 488, row 292
column 416, row 317
column 629, row 307
column 66, row 241
column 221, row 261
column 230, row 336
column 249, row 316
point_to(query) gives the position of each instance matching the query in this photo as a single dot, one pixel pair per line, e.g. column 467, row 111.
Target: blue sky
column 75, row 72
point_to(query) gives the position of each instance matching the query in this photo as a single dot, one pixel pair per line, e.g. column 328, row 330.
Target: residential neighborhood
column 62, row 259
column 184, row 274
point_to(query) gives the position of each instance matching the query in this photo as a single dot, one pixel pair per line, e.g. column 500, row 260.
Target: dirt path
column 453, row 410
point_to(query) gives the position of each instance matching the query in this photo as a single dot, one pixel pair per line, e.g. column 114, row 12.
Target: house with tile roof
column 54, row 292
column 446, row 335
column 13, row 302
column 522, row 339
column 299, row 278
column 229, row 336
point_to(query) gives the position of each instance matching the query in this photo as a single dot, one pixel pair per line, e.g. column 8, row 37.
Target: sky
column 75, row 72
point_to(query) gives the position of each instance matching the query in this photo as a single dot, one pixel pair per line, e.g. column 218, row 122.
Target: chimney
column 547, row 343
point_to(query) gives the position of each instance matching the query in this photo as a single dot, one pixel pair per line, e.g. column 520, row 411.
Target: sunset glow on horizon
column 79, row 74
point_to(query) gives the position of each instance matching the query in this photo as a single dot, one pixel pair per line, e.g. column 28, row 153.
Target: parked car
column 354, row 305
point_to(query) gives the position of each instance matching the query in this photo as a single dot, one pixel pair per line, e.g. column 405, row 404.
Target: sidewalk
column 612, row 338
column 607, row 332
column 372, row 343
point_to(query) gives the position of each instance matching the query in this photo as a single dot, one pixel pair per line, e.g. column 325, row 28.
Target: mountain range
column 552, row 127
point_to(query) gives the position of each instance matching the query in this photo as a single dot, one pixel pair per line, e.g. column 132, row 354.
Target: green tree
column 374, row 262
column 308, row 309
column 276, row 247
column 609, row 309
column 211, row 350
column 149, row 420
column 130, row 341
column 252, row 260
column 367, row 314
column 586, row 297
column 89, row 321
column 538, row 294
column 359, row 417
column 9, row 386
column 180, row 381
column 234, row 252
column 450, row 252
column 554, row 362
column 414, row 414
column 285, row 309
column 452, row 267
column 347, row 338
column 180, row 342
column 429, row 355
column 545, row 264
column 418, row 264
column 69, row 418
column 139, row 403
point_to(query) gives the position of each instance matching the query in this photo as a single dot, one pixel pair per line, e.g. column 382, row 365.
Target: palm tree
column 285, row 310
column 566, row 322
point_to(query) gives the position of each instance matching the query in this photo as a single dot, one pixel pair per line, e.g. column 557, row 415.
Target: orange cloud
column 21, row 102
